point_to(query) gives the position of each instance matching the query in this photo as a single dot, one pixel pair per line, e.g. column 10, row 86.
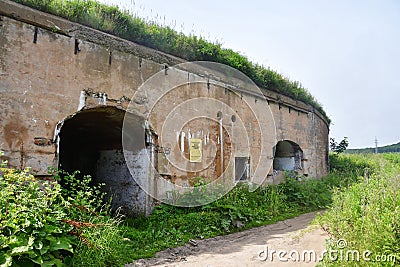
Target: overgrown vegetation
column 367, row 216
column 164, row 38
column 43, row 224
column 31, row 215
column 46, row 224
column 238, row 210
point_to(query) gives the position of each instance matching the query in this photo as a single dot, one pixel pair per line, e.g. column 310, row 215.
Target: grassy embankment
column 165, row 38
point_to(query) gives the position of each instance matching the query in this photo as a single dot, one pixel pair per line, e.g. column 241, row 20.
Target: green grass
column 102, row 245
column 240, row 209
column 367, row 214
column 361, row 194
column 164, row 38
column 170, row 226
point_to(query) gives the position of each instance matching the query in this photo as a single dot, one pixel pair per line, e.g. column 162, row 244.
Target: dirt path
column 243, row 249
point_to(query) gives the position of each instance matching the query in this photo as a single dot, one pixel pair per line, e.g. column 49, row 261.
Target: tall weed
column 43, row 224
column 366, row 215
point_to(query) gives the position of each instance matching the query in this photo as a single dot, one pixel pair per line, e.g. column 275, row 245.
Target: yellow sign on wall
column 195, row 150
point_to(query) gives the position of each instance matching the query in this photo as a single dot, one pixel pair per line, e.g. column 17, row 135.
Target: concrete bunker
column 288, row 156
column 91, row 142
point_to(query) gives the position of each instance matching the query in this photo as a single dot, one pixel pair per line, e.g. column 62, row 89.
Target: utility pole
column 376, row 145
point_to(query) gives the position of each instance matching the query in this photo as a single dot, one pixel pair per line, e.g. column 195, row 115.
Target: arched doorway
column 288, row 156
column 91, row 142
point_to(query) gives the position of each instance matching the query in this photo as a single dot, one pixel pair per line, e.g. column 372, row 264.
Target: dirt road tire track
column 242, row 249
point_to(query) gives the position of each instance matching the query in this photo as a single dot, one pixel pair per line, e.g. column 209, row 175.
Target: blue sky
column 346, row 53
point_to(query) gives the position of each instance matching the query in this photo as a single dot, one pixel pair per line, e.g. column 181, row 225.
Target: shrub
column 32, row 230
column 42, row 223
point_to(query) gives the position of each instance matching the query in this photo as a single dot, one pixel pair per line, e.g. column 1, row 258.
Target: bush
column 42, row 223
column 32, row 230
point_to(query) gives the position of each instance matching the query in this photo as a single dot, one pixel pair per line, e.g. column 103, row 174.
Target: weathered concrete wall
column 51, row 69
column 124, row 191
column 207, row 102
column 309, row 131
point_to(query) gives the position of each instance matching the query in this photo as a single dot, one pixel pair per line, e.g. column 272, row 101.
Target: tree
column 339, row 148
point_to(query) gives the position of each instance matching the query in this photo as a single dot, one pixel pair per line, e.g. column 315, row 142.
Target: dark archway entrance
column 288, row 156
column 91, row 142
